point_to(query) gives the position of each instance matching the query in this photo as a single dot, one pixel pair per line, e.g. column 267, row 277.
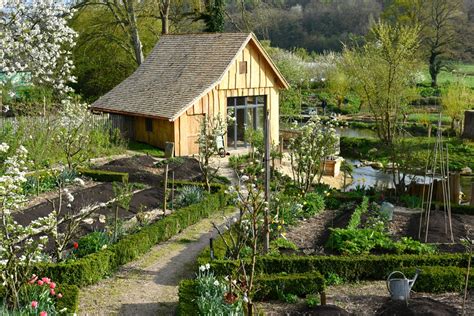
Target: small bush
column 91, row 243
column 271, row 286
column 189, row 195
column 104, row 175
column 312, row 301
column 313, row 204
column 439, row 279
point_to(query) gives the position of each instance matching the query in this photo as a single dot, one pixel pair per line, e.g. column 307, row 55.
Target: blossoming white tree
column 315, row 142
column 18, row 249
column 35, row 38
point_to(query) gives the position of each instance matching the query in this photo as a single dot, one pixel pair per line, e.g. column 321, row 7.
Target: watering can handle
column 388, row 279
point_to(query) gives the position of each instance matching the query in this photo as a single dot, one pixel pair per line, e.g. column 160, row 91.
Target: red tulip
column 43, row 313
column 40, row 282
column 52, row 285
column 75, row 245
column 34, row 304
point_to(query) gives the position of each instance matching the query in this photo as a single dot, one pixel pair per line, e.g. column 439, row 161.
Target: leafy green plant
column 283, row 243
column 289, row 298
column 333, row 279
column 358, row 241
column 354, row 222
column 189, row 195
column 408, row 245
column 410, row 201
column 312, row 301
column 91, row 243
column 313, row 204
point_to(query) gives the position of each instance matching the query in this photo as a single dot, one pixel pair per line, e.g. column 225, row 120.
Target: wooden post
column 266, row 244
column 165, row 190
column 455, row 184
column 472, row 194
column 172, row 191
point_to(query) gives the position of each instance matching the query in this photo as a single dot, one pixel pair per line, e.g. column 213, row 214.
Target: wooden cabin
column 189, row 76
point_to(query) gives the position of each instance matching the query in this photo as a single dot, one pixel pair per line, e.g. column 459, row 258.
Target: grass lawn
column 433, row 117
column 146, row 149
column 464, row 72
column 461, row 153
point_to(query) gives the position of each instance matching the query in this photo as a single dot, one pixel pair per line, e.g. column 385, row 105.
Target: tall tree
column 440, row 22
column 381, row 73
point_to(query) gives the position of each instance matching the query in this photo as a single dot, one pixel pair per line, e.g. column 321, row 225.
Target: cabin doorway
column 246, row 113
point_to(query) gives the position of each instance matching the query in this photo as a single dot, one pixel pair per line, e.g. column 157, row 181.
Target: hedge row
column 439, row 279
column 104, row 175
column 350, row 268
column 267, row 287
column 96, row 266
column 463, row 209
column 70, row 299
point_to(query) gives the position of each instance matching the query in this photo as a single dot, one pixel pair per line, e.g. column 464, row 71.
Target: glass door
column 246, row 112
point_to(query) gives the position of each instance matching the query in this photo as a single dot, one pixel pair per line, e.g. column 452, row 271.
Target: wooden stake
column 172, row 191
column 165, row 190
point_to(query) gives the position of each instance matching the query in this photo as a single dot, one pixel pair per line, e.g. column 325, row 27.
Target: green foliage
column 70, row 299
column 104, row 175
column 349, row 268
column 146, row 149
column 312, row 301
column 189, row 195
column 358, row 241
column 333, row 279
column 283, row 243
column 301, row 284
column 410, row 201
column 408, row 245
column 289, row 298
column 210, row 297
column 354, row 222
column 91, row 243
column 437, row 279
column 187, row 293
column 313, row 203
column 96, row 266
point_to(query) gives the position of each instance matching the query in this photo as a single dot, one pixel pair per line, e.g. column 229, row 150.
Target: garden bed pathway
column 149, row 286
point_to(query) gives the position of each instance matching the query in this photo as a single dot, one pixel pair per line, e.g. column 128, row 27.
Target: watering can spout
column 412, row 282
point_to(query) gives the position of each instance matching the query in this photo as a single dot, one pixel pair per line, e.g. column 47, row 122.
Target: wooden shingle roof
column 179, row 70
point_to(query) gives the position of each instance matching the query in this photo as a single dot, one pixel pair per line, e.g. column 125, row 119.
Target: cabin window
column 149, row 124
column 242, row 67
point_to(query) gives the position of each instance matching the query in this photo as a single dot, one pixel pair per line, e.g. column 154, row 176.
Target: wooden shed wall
column 163, row 131
column 259, row 79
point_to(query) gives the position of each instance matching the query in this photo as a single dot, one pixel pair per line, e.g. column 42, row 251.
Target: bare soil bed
column 141, row 169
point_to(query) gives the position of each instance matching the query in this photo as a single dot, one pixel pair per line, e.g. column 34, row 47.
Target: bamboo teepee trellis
column 437, row 167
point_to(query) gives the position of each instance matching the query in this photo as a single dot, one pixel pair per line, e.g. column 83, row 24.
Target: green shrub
column 289, row 298
column 70, row 299
column 409, row 246
column 313, row 204
column 358, row 241
column 463, row 209
column 439, row 279
column 312, row 301
column 283, row 243
column 349, row 268
column 104, row 175
column 189, row 195
column 187, row 294
column 301, row 284
column 91, row 243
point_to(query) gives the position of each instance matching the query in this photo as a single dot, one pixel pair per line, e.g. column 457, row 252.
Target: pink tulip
column 59, row 295
column 34, row 304
column 46, row 280
column 52, row 292
column 43, row 313
column 33, row 279
column 52, row 285
column 40, row 282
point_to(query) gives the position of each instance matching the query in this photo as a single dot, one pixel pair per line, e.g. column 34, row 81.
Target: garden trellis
column 437, row 167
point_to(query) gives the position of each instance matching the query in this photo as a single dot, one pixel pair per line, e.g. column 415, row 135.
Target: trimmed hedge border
column 350, row 268
column 94, row 267
column 267, row 287
column 70, row 299
column 104, row 175
column 437, row 279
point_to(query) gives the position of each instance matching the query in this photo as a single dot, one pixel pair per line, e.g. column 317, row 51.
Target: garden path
column 149, row 285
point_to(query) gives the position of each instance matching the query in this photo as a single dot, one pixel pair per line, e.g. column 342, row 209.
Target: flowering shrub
column 15, row 260
column 314, row 142
column 216, row 297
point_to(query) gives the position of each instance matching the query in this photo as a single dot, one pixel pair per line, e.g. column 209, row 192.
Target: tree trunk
column 164, row 14
column 135, row 37
column 434, row 70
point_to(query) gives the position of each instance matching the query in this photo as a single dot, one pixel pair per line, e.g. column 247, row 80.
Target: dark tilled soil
column 142, row 169
column 280, row 309
column 311, row 235
column 417, row 306
column 436, row 233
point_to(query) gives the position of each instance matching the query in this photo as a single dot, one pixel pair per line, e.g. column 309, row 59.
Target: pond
column 356, row 132
column 369, row 177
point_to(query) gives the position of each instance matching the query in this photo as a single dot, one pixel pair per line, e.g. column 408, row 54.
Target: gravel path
column 149, row 286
